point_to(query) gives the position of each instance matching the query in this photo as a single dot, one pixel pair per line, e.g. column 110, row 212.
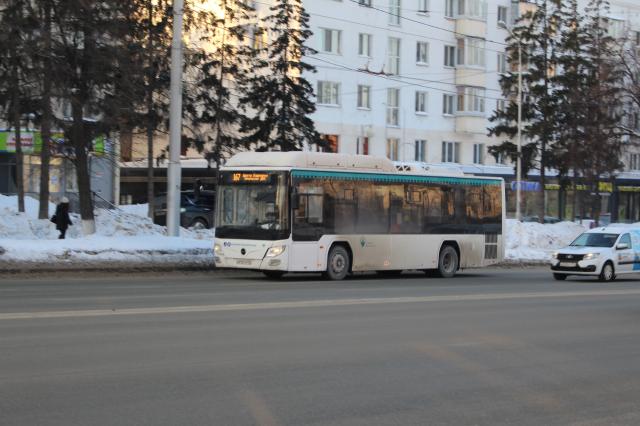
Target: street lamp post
column 175, row 124
column 519, row 158
column 519, row 137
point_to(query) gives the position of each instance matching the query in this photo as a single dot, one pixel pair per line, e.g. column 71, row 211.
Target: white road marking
column 309, row 304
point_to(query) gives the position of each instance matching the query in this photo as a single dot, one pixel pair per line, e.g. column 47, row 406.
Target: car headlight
column 182, row 209
column 217, row 248
column 554, row 255
column 275, row 251
column 591, row 256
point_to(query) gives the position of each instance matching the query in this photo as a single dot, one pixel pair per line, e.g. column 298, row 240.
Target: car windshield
column 252, row 205
column 590, row 239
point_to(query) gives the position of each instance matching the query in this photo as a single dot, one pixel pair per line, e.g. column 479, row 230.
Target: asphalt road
column 490, row 347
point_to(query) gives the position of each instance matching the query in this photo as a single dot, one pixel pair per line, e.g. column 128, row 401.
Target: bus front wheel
column 448, row 262
column 338, row 263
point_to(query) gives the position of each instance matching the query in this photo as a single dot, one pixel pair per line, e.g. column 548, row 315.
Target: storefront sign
column 526, row 186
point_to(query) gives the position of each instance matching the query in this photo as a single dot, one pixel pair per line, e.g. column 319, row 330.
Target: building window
column 501, row 105
column 471, row 52
column 259, row 39
column 422, row 53
column 362, row 145
column 449, row 8
column 364, row 100
column 364, row 44
column 448, row 102
column 328, row 93
column 393, row 107
column 450, row 152
column 476, row 9
column 471, row 99
column 366, row 3
column 422, row 99
column 394, row 56
column 449, row 56
column 423, row 6
column 420, row 150
column 503, row 13
column 394, row 12
column 634, row 162
column 502, row 63
column 331, row 40
column 392, row 148
column 616, row 28
column 478, row 153
column 331, row 143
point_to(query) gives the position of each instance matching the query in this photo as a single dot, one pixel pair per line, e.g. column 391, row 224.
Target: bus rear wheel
column 338, row 264
column 448, row 262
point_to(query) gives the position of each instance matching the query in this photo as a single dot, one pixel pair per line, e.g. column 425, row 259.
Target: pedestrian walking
column 61, row 217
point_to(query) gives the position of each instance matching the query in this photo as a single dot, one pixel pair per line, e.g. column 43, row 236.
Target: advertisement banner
column 29, row 142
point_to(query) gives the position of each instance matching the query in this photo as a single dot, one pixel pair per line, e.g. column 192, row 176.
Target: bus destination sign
column 250, row 177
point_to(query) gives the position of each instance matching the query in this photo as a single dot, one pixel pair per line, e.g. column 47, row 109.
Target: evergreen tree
column 222, row 73
column 537, row 32
column 15, row 73
column 278, row 96
column 603, row 104
column 571, row 91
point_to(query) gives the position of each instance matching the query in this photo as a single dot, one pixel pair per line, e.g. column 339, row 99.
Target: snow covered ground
column 535, row 242
column 128, row 237
column 122, row 238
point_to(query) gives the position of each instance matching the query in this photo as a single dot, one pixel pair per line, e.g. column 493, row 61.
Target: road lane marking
column 309, row 304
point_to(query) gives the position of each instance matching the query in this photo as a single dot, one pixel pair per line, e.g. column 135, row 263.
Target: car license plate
column 244, row 262
column 568, row 264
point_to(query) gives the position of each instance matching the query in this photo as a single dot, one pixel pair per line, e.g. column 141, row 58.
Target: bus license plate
column 244, row 262
column 568, row 264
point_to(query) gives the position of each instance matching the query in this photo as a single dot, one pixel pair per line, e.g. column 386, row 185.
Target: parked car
column 547, row 219
column 603, row 252
column 196, row 209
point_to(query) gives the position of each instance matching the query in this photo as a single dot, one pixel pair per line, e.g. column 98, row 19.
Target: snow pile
column 532, row 241
column 121, row 236
column 135, row 209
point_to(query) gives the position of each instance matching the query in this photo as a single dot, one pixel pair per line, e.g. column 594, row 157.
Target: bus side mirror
column 295, row 200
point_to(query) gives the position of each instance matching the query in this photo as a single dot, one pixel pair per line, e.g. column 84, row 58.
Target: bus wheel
column 338, row 263
column 448, row 262
column 273, row 275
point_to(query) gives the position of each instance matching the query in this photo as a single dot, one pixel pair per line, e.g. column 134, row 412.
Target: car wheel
column 338, row 264
column 199, row 223
column 559, row 277
column 448, row 262
column 273, row 275
column 608, row 273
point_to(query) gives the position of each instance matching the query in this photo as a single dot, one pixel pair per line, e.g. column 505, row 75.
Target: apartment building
column 413, row 80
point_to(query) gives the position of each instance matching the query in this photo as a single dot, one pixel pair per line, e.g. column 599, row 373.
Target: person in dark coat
column 62, row 219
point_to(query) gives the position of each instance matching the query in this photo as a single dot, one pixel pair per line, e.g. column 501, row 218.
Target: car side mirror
column 622, row 246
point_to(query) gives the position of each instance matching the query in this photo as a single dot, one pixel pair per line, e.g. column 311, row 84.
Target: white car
column 602, row 252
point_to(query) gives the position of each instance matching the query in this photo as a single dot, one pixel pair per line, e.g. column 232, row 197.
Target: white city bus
column 281, row 212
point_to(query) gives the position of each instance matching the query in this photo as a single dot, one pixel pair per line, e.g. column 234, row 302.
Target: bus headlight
column 275, row 251
column 591, row 256
column 217, row 249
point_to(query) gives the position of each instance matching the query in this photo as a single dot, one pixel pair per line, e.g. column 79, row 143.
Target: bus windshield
column 589, row 239
column 252, row 205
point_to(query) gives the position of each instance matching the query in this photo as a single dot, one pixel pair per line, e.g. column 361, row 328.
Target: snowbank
column 121, row 237
column 534, row 242
column 128, row 236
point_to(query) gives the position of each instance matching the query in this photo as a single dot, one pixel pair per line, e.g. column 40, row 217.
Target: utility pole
column 175, row 124
column 519, row 159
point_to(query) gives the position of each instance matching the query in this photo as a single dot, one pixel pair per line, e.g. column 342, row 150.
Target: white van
column 602, row 252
